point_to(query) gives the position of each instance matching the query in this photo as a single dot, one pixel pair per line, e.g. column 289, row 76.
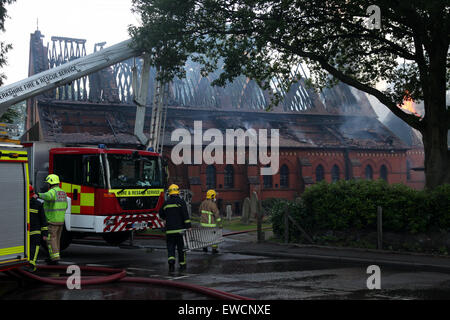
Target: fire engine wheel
column 116, row 238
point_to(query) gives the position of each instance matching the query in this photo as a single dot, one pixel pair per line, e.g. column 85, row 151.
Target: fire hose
column 120, row 275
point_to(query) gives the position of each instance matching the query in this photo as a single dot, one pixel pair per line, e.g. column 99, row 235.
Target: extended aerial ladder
column 73, row 70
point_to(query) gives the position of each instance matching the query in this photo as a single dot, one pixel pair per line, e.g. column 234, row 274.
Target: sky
column 93, row 20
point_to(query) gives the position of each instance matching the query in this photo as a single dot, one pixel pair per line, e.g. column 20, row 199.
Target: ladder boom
column 66, row 73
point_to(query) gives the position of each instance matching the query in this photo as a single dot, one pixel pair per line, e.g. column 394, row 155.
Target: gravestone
column 229, row 212
column 254, row 206
column 246, row 211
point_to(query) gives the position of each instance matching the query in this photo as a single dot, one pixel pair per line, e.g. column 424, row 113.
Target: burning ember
column 408, row 105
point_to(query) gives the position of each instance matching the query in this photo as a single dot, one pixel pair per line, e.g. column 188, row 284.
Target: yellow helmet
column 174, row 189
column 52, row 179
column 210, row 194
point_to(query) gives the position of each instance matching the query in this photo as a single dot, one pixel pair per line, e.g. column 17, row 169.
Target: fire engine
column 111, row 192
column 14, row 238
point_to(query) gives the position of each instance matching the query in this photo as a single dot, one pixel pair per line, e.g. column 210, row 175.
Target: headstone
column 254, row 206
column 246, row 211
column 229, row 212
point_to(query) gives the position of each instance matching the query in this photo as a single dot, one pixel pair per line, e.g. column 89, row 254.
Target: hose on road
column 120, row 275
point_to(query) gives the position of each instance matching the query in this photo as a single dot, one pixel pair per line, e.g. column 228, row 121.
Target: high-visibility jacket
column 55, row 204
column 209, row 214
column 38, row 221
column 174, row 212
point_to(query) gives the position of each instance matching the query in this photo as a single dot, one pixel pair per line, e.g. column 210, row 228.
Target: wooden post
column 259, row 226
column 286, row 227
column 380, row 227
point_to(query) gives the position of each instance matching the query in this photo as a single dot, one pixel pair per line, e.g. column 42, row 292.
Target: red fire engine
column 111, row 191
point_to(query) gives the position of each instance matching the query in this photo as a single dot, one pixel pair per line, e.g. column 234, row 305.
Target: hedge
column 352, row 205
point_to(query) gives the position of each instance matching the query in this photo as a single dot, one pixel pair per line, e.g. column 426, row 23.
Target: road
column 255, row 276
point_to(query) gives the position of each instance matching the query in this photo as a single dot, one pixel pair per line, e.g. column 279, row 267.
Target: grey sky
column 93, row 20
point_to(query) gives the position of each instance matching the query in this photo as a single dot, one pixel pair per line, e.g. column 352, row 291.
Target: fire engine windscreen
column 127, row 171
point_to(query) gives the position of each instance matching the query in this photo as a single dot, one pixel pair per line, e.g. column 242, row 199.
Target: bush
column 352, row 205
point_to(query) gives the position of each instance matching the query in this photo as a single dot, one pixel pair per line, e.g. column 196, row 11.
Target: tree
column 4, row 47
column 262, row 38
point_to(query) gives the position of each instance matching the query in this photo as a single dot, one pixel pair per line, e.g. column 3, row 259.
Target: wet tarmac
column 257, row 277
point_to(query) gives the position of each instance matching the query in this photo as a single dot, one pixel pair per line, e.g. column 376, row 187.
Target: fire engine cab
column 112, row 191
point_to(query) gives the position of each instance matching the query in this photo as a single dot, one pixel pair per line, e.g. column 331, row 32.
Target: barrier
column 197, row 238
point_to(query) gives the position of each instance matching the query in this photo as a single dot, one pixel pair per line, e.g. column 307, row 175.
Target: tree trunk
column 435, row 130
column 437, row 156
column 436, row 125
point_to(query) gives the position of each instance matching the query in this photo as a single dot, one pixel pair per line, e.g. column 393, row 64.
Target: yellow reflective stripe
column 207, row 212
column 36, row 254
column 87, row 199
column 35, row 232
column 171, row 206
column 11, row 250
column 44, row 228
column 208, row 224
column 171, row 258
column 34, row 210
column 75, row 209
column 136, row 192
column 174, row 231
column 12, row 154
column 187, row 221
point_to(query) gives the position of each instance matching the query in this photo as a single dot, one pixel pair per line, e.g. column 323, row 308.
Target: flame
column 408, row 105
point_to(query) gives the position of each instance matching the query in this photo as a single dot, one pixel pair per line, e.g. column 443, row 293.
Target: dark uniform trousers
column 38, row 229
column 175, row 243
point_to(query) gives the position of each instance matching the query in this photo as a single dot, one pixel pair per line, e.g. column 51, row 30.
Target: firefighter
column 55, row 206
column 174, row 212
column 210, row 216
column 38, row 228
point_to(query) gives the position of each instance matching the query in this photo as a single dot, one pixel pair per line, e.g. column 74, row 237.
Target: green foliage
column 4, row 47
column 352, row 205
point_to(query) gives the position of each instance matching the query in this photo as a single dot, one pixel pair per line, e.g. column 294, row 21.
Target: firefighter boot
column 171, row 266
column 183, row 267
column 30, row 268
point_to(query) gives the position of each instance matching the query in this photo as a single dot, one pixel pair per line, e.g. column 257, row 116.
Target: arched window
column 229, row 176
column 320, row 173
column 408, row 170
column 335, row 173
column 369, row 172
column 284, row 176
column 383, row 172
column 267, row 180
column 210, row 177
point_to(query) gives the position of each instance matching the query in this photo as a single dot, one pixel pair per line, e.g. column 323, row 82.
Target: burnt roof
column 93, row 123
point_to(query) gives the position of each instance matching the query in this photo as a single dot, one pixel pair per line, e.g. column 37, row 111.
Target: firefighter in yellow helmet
column 174, row 212
column 210, row 215
column 55, row 206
